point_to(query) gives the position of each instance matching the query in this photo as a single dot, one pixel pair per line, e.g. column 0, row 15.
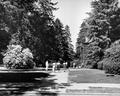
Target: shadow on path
column 30, row 85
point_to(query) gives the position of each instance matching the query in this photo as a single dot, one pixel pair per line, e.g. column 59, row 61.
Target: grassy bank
column 91, row 76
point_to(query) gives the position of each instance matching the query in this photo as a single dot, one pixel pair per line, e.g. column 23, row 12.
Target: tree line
column 99, row 37
column 31, row 24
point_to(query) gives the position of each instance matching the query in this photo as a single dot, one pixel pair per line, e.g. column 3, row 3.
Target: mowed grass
column 91, row 76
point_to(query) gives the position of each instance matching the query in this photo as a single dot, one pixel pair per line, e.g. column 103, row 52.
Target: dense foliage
column 31, row 24
column 18, row 58
column 111, row 61
column 98, row 32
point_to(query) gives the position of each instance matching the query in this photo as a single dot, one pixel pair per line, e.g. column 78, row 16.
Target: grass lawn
column 91, row 76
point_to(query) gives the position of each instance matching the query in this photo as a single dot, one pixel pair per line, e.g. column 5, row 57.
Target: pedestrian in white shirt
column 53, row 67
column 46, row 65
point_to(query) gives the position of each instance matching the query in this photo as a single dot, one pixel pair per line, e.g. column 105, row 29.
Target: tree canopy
column 31, row 24
column 99, row 30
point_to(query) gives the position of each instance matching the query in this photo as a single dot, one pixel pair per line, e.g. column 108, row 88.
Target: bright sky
column 72, row 13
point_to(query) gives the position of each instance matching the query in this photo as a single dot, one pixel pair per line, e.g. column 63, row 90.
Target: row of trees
column 99, row 32
column 31, row 24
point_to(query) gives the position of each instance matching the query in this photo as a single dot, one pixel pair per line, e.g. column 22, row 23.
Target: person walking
column 46, row 65
column 53, row 67
column 74, row 65
column 58, row 65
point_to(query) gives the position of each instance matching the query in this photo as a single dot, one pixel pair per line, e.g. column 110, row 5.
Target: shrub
column 94, row 55
column 111, row 61
column 111, row 66
column 100, row 65
column 18, row 58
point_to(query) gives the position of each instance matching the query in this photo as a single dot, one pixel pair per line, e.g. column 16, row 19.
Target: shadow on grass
column 27, row 84
column 21, row 76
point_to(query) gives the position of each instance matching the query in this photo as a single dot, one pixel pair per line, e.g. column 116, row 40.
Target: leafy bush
column 94, row 55
column 100, row 65
column 111, row 66
column 111, row 61
column 18, row 58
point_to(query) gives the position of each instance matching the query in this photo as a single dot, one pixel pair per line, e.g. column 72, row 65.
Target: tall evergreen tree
column 98, row 27
column 64, row 48
column 67, row 45
column 42, row 22
column 59, row 28
column 30, row 24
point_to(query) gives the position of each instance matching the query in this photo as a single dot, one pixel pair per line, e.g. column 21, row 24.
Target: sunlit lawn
column 91, row 76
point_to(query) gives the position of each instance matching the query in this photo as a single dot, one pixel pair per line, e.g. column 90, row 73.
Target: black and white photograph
column 59, row 47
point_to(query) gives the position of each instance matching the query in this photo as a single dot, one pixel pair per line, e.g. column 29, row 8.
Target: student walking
column 53, row 67
column 46, row 65
column 74, row 65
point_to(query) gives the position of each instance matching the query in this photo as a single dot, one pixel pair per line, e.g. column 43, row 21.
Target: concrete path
column 63, row 88
column 60, row 86
column 83, row 89
column 82, row 86
column 60, row 77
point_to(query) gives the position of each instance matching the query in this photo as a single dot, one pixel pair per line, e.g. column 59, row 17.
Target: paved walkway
column 64, row 88
column 83, row 89
column 60, row 77
column 57, row 84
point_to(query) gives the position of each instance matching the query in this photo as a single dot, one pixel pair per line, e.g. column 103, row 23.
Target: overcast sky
column 72, row 13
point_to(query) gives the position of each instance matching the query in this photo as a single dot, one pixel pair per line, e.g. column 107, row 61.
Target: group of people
column 55, row 65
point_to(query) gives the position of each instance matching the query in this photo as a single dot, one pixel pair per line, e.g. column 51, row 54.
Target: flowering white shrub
column 18, row 58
